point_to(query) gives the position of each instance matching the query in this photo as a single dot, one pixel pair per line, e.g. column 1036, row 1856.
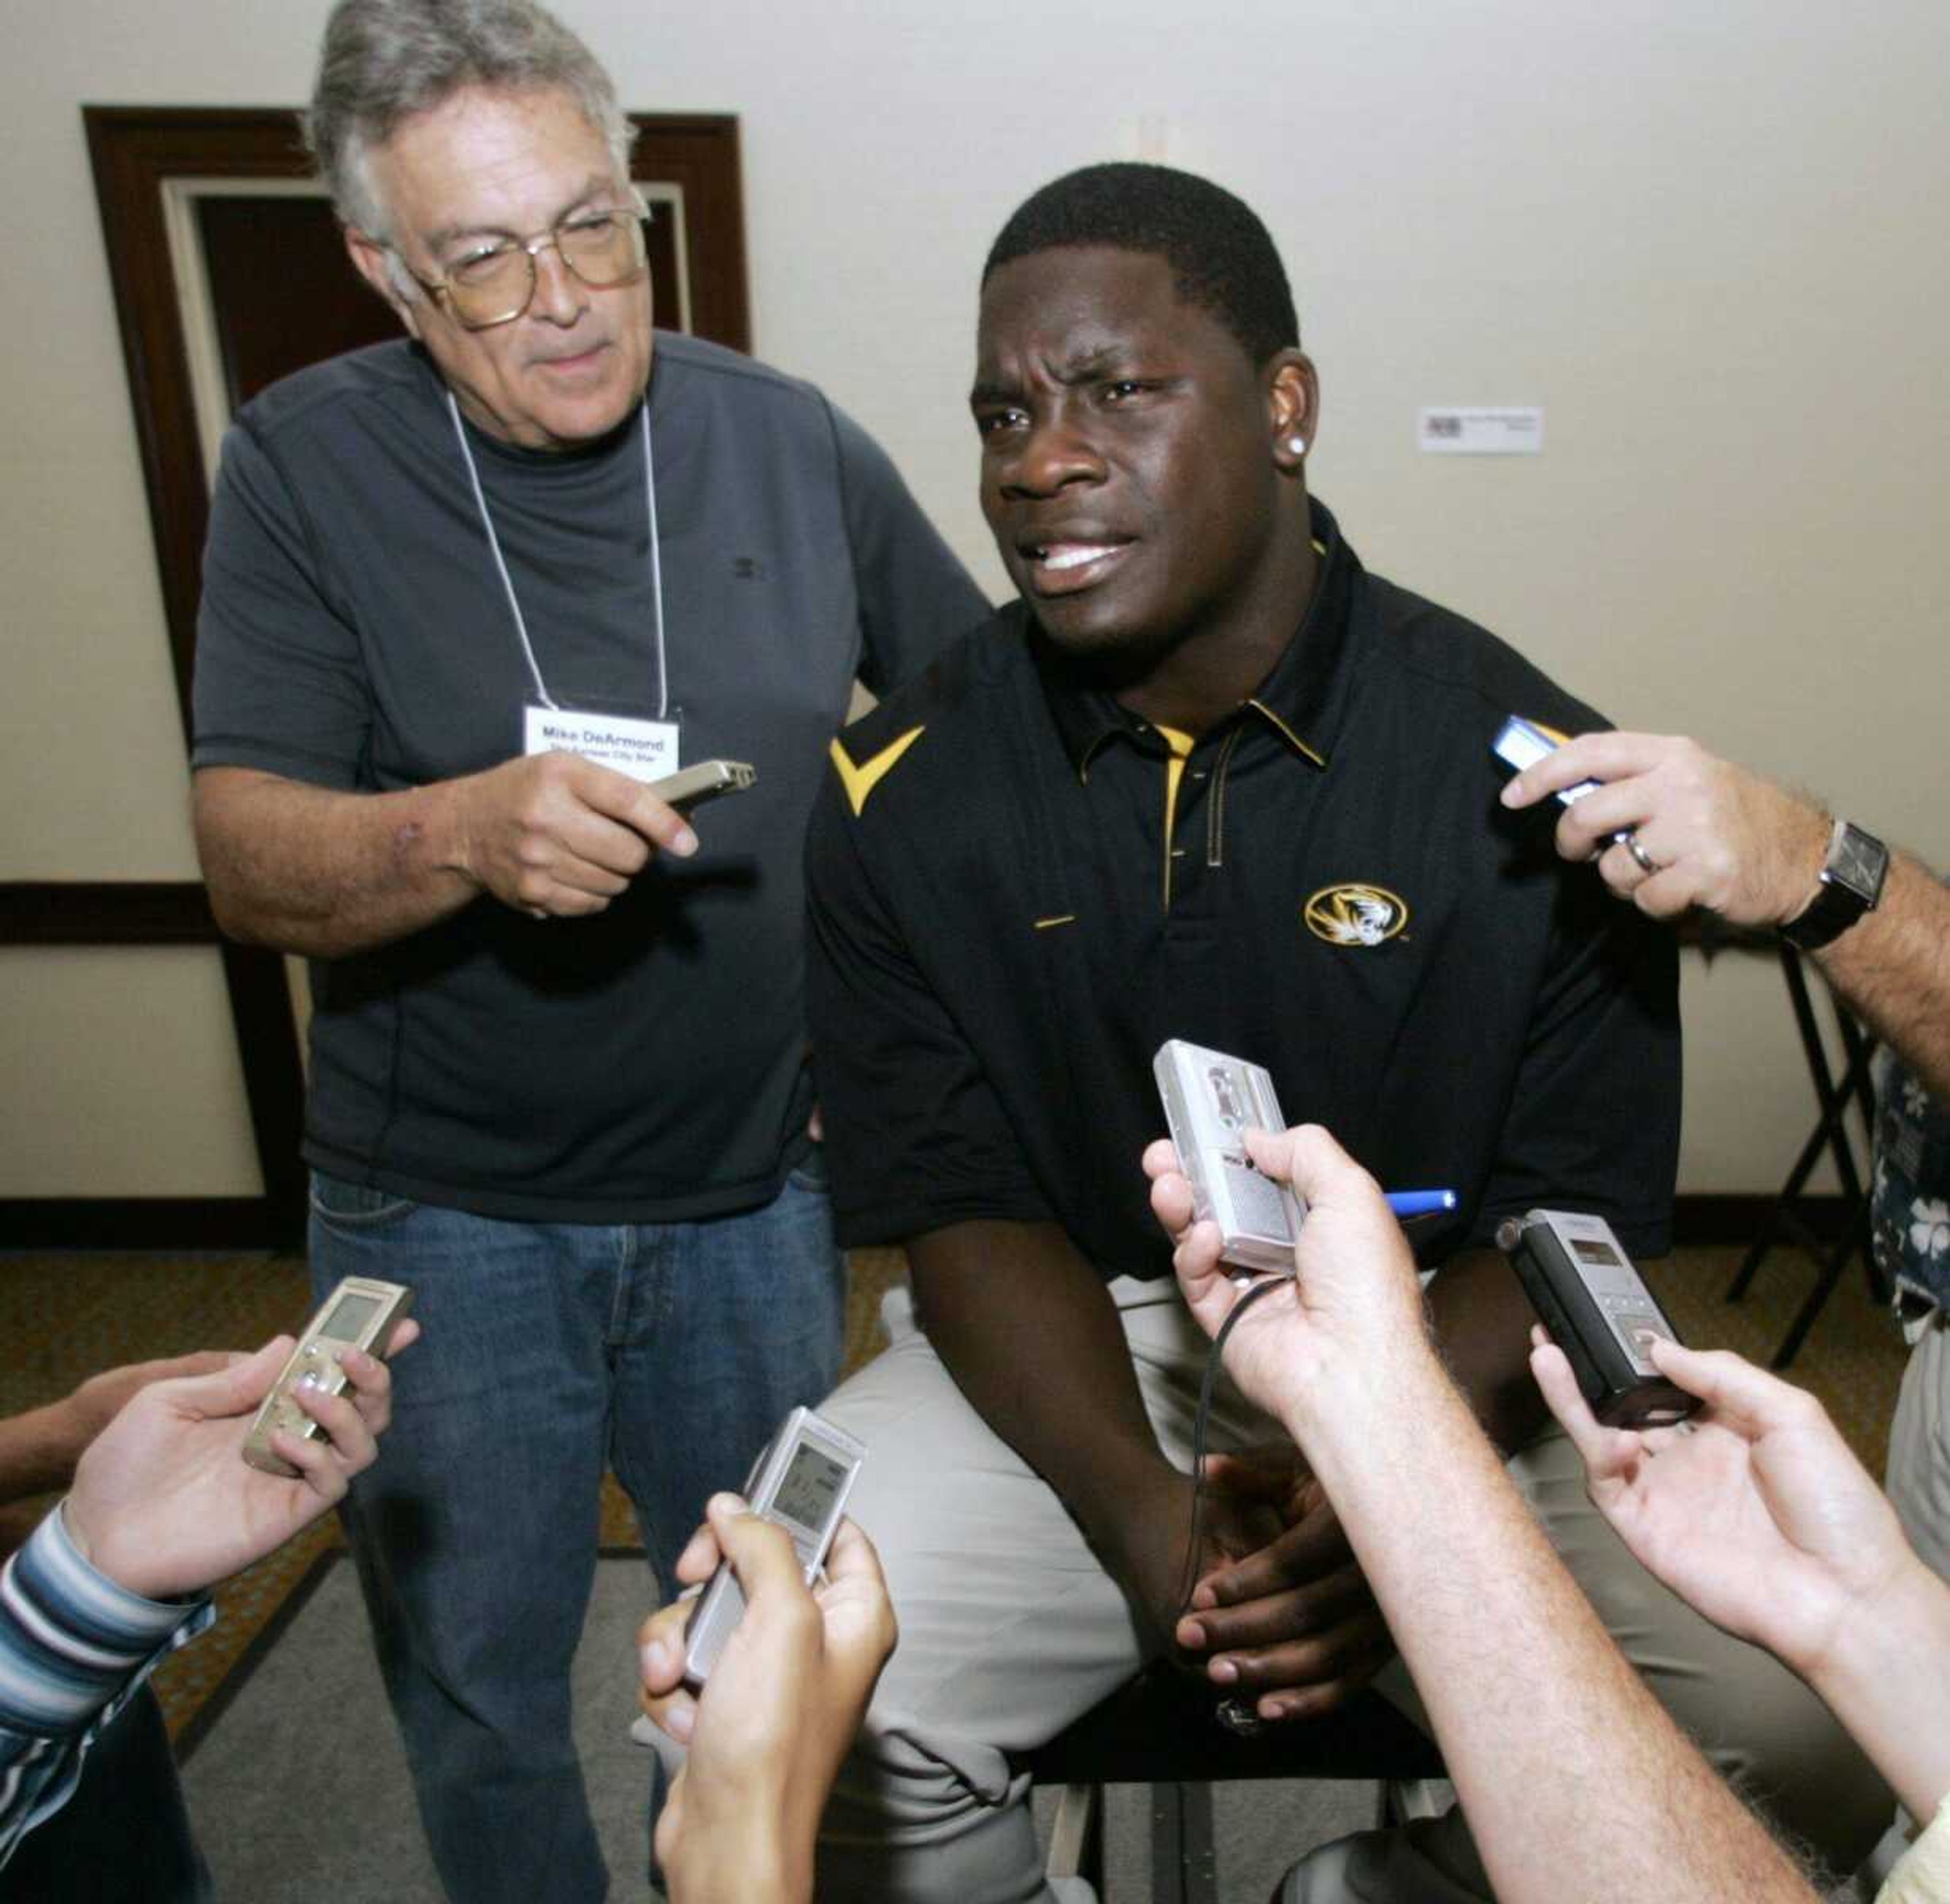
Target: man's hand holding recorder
column 164, row 1503
column 765, row 1736
column 1709, row 834
column 1270, row 1598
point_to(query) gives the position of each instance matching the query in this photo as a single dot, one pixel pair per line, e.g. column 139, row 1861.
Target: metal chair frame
column 1158, row 1730
column 1837, row 1093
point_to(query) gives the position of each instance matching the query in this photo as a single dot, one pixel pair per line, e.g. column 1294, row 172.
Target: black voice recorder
column 1586, row 1291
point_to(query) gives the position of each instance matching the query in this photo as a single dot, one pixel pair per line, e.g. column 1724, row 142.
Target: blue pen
column 1420, row 1202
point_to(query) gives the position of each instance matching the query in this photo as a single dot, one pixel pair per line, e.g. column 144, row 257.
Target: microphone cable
column 1278, row 1278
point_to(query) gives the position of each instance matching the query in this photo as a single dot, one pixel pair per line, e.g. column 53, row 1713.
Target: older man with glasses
column 466, row 596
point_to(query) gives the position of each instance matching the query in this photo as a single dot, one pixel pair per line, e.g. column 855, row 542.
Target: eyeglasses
column 496, row 283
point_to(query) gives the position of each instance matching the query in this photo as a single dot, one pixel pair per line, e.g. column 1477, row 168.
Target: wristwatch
column 1851, row 883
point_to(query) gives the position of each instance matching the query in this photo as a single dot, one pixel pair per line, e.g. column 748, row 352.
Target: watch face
column 1857, row 860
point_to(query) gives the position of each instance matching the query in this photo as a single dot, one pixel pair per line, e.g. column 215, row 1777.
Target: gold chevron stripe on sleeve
column 860, row 781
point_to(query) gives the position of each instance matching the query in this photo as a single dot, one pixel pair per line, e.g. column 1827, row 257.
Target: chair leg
column 1837, row 1094
column 1184, row 1858
column 1076, row 1836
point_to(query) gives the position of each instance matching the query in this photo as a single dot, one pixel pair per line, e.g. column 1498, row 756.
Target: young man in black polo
column 1208, row 779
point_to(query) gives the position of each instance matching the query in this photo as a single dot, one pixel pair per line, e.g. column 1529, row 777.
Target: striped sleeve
column 73, row 1646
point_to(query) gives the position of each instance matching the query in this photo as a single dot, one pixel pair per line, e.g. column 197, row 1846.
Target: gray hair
column 383, row 61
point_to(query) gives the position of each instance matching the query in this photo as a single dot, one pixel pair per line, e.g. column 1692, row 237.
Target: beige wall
column 1707, row 240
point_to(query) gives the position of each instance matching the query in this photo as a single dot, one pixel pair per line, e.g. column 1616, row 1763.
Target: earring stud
column 1297, row 444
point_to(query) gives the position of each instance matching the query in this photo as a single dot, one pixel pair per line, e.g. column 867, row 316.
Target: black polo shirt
column 1019, row 889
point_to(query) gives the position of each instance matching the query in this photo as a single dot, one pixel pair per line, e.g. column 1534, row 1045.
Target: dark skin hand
column 1281, row 1613
column 1293, row 1626
column 1028, row 1331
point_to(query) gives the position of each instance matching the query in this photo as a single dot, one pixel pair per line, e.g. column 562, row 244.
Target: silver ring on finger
column 1632, row 844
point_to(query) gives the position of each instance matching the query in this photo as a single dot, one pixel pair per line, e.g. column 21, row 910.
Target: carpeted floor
column 68, row 1316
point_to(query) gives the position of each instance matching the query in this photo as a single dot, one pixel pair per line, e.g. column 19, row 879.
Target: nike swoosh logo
column 860, row 781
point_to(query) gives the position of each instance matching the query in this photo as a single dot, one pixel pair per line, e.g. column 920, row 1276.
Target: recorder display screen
column 345, row 1322
column 1590, row 1252
column 812, row 1483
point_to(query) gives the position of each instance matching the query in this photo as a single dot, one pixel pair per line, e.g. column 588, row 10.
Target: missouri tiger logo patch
column 1354, row 913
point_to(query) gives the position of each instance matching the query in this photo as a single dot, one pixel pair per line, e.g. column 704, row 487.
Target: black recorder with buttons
column 1584, row 1288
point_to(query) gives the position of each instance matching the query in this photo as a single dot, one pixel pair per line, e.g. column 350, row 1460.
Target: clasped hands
column 1280, row 1616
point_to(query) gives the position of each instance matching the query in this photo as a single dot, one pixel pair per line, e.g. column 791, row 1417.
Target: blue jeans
column 668, row 1351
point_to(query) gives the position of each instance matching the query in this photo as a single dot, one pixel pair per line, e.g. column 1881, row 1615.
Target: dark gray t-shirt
column 647, row 1064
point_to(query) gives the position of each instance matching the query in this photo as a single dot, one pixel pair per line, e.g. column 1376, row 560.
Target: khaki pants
column 1919, row 1455
column 1010, row 1630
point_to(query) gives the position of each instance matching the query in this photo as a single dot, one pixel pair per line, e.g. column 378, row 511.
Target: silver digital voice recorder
column 705, row 781
column 362, row 1313
column 800, row 1482
column 1210, row 1101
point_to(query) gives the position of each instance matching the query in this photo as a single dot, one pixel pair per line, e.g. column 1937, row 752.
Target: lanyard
column 507, row 581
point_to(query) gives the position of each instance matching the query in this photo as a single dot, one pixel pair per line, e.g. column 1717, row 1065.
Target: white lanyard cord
column 656, row 564
column 507, row 580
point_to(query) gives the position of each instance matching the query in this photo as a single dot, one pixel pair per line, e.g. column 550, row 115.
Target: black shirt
column 1009, row 918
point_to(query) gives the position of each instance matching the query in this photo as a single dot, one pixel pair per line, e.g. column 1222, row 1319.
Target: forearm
column 39, row 1450
column 1028, row 1331
column 73, row 1645
column 1889, row 1683
column 744, row 1864
column 310, row 870
column 1893, row 967
column 1481, row 1320
column 1534, row 1708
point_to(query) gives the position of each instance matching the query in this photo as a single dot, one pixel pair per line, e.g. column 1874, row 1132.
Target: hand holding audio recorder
column 800, row 1483
column 1210, row 1101
column 362, row 1313
column 1599, row 1311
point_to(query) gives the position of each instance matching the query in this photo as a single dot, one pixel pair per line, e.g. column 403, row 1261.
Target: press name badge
column 646, row 750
